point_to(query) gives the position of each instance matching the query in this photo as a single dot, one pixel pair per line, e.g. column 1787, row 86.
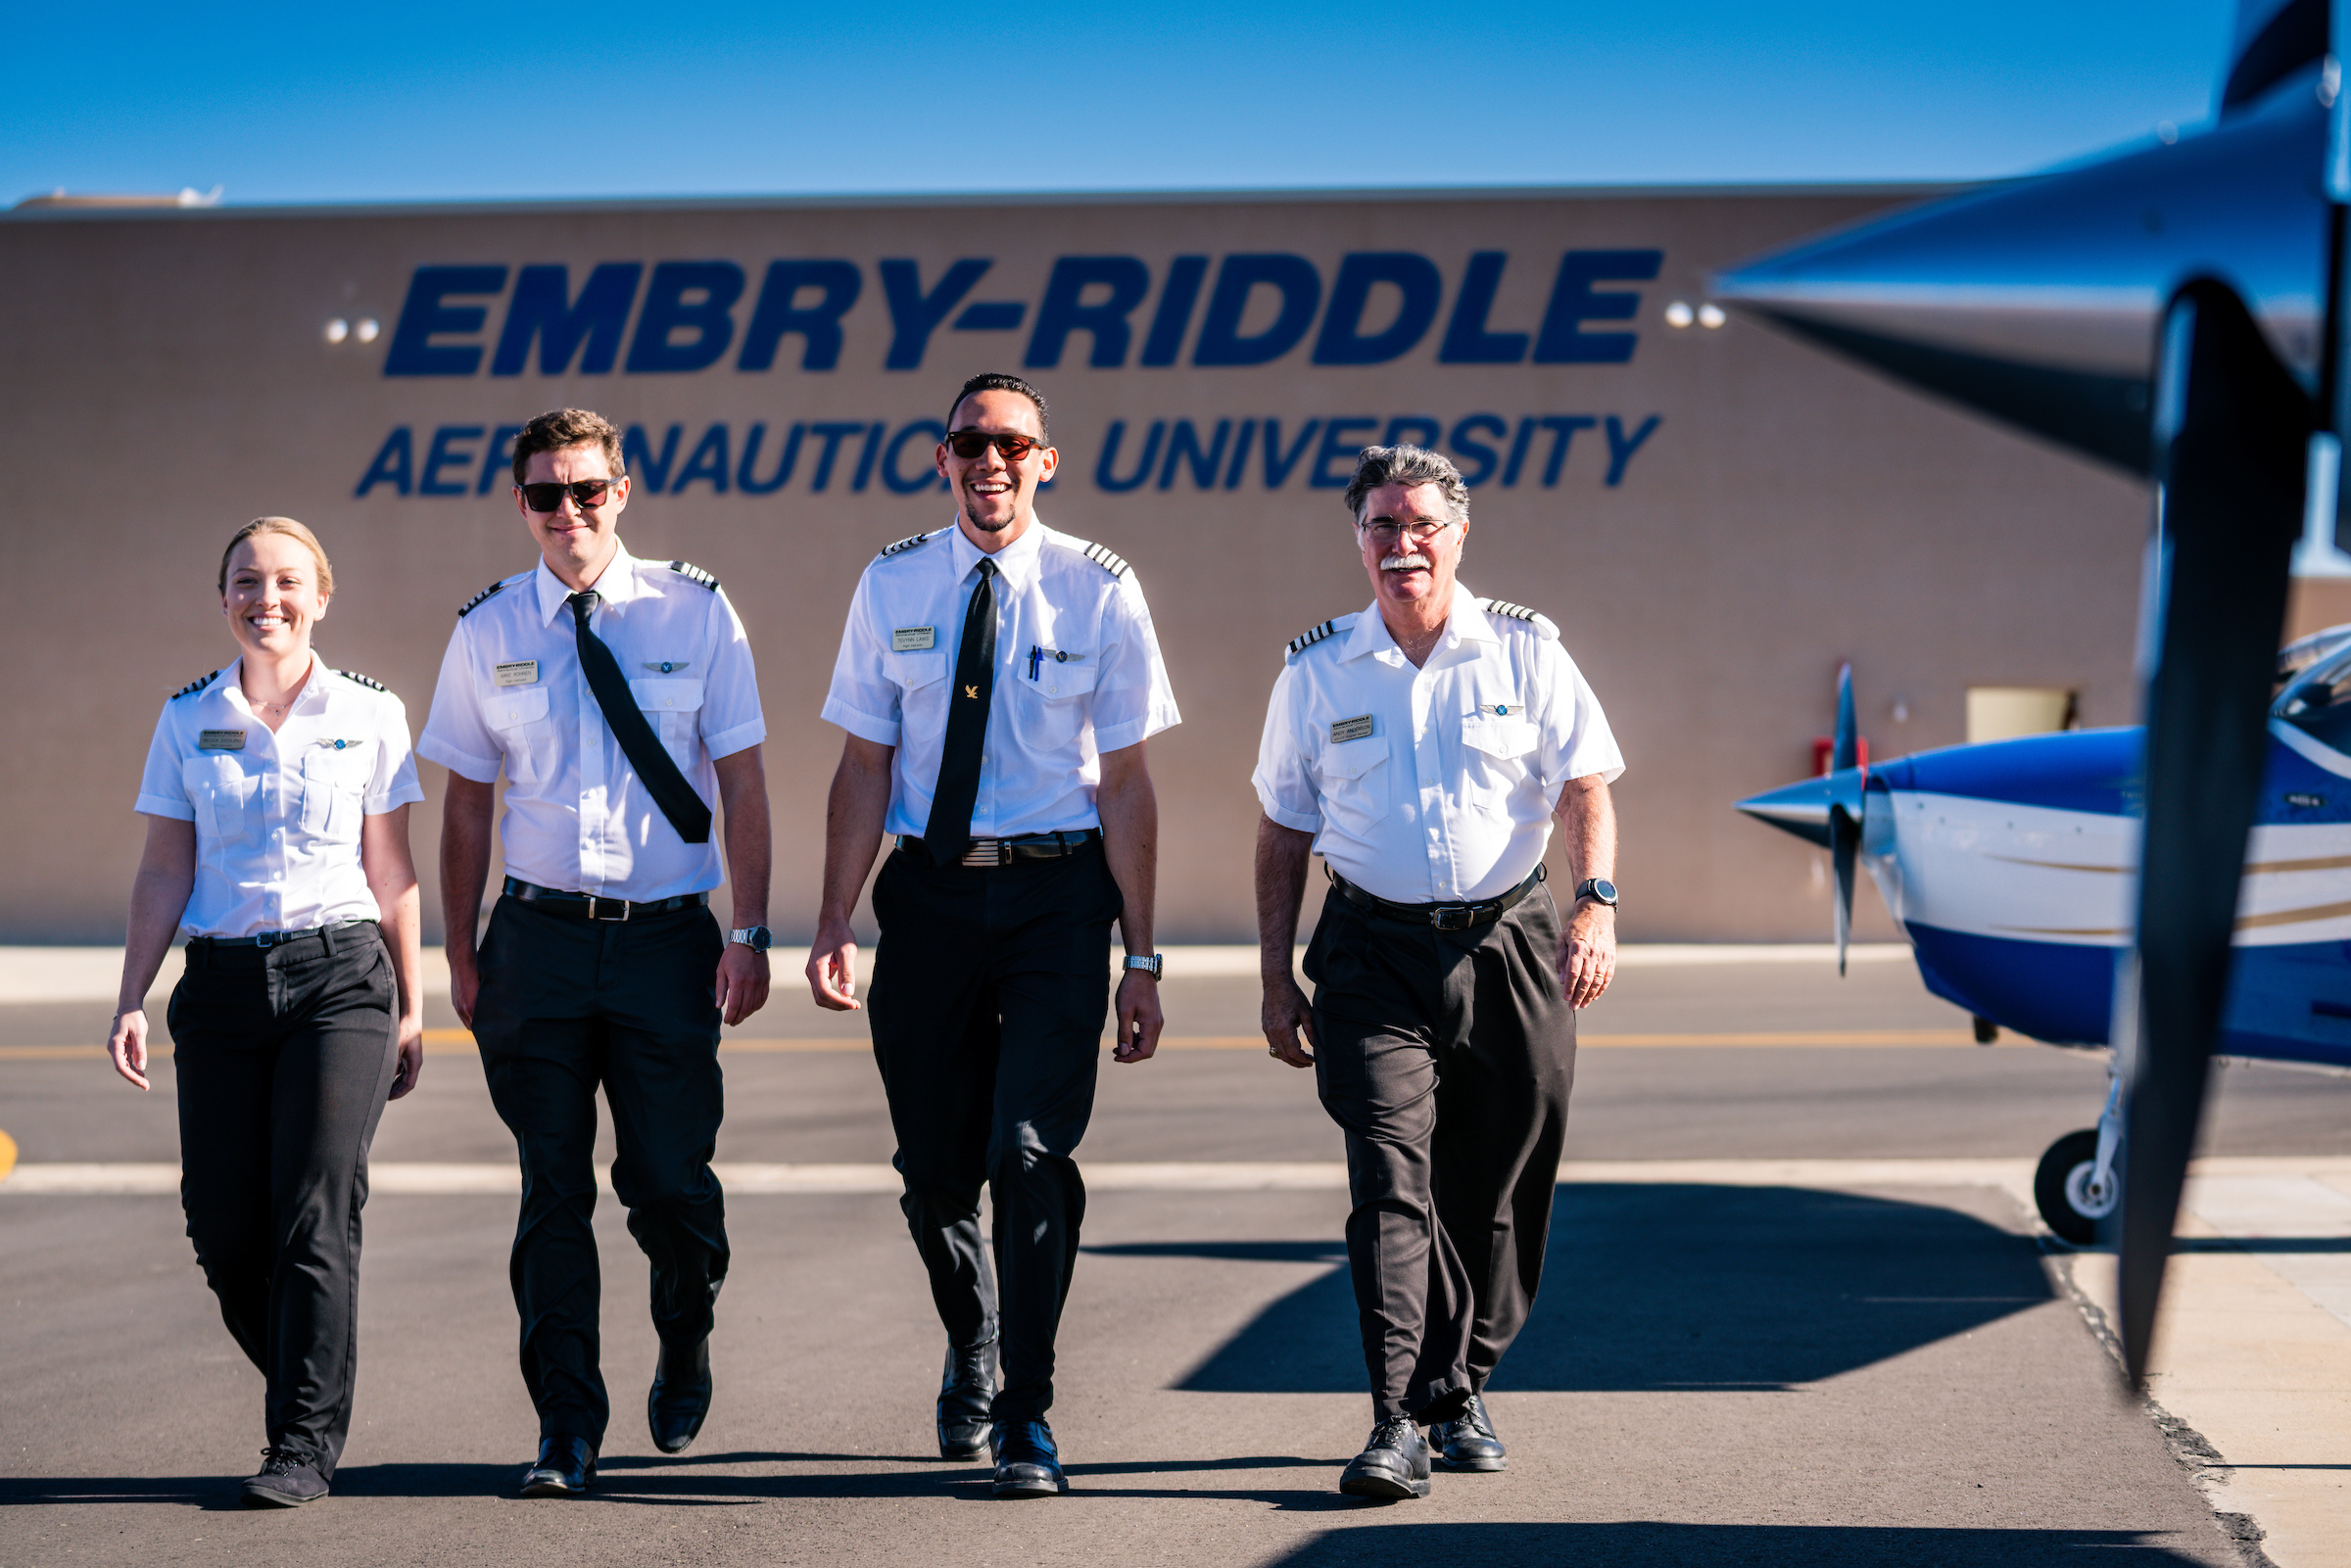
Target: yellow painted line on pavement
column 459, row 1042
column 8, row 1154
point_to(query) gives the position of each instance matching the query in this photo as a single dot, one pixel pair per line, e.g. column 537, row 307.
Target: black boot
column 1393, row 1465
column 966, row 1391
column 566, row 1468
column 1027, row 1465
column 1467, row 1440
column 680, row 1398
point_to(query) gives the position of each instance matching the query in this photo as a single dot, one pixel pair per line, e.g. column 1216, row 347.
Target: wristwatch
column 758, row 938
column 1150, row 965
column 1597, row 888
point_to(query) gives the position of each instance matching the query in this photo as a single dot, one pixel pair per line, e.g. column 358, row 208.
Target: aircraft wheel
column 2061, row 1188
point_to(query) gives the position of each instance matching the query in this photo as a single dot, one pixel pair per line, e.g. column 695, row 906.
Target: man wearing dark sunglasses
column 997, row 680
column 618, row 697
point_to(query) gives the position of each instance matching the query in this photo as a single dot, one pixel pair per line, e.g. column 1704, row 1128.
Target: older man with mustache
column 1424, row 747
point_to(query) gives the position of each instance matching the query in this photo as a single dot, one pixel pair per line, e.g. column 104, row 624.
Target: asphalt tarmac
column 1713, row 1374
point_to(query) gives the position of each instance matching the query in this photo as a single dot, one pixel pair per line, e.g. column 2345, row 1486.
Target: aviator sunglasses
column 548, row 494
column 969, row 444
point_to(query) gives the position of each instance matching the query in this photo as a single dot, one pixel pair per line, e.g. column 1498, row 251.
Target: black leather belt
column 269, row 939
column 591, row 906
column 1004, row 851
column 1444, row 917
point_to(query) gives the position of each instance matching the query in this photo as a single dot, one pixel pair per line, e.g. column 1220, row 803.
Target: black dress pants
column 566, row 1005
column 1445, row 1058
column 990, row 987
column 284, row 1059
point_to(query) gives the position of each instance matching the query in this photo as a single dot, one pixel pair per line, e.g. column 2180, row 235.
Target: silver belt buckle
column 1453, row 917
column 264, row 940
column 988, row 852
column 592, row 901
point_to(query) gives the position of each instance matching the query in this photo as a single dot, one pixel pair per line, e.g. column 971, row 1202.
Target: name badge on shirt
column 220, row 740
column 913, row 639
column 1355, row 728
column 522, row 672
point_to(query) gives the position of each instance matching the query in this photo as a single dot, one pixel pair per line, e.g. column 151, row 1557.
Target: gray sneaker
column 287, row 1480
column 1468, row 1441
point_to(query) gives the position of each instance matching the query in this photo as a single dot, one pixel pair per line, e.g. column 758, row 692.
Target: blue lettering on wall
column 1292, row 277
column 1482, row 457
column 647, row 471
column 444, row 454
column 1573, row 302
column 1105, row 472
column 1418, row 287
column 395, row 465
column 1466, row 339
column 785, row 461
column 1183, row 445
column 991, row 315
column 424, row 317
column 1538, row 449
column 713, row 287
column 1121, row 282
column 540, row 308
column 497, row 459
column 707, row 461
column 1175, row 313
column 913, row 315
column 929, row 431
column 818, row 322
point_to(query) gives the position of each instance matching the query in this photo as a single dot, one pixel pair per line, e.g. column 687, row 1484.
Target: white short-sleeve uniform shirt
column 278, row 814
column 511, row 694
column 1077, row 673
column 1430, row 785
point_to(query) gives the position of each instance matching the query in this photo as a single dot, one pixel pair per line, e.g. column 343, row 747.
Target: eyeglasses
column 548, row 495
column 1389, row 533
column 970, row 444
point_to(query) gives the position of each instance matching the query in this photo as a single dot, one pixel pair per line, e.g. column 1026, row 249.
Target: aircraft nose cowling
column 2036, row 301
column 1802, row 809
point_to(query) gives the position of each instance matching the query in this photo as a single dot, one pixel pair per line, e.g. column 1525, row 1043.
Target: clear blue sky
column 441, row 101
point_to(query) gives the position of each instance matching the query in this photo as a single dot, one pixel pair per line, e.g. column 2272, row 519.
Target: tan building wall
column 167, row 377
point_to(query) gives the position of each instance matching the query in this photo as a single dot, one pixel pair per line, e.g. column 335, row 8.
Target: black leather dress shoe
column 966, row 1391
column 680, row 1397
column 287, row 1481
column 1393, row 1465
column 1027, row 1465
column 565, row 1469
column 1468, row 1441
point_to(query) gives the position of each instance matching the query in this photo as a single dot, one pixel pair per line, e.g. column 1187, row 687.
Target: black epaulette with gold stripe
column 475, row 602
column 195, row 685
column 1307, row 639
column 907, row 543
column 1106, row 558
column 368, row 681
column 694, row 574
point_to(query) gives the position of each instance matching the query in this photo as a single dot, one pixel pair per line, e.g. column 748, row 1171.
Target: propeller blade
column 2231, row 429
column 1845, row 839
column 1845, row 748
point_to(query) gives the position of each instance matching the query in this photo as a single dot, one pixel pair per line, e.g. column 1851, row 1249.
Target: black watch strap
column 1596, row 887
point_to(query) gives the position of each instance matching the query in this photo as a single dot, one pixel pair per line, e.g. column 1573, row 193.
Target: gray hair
column 1375, row 466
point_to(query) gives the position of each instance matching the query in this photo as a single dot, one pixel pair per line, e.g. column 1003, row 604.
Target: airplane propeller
column 1847, row 783
column 2232, row 431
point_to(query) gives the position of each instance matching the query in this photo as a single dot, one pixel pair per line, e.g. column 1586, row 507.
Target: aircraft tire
column 2056, row 1186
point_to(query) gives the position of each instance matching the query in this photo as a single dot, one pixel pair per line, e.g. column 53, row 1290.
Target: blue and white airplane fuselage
column 2011, row 868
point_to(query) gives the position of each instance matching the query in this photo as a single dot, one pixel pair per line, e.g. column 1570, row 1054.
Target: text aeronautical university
column 1380, row 306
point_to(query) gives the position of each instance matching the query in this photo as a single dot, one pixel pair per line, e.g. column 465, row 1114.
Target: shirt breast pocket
column 225, row 799
column 519, row 716
column 1500, row 753
column 334, row 786
column 1056, row 704
column 920, row 678
column 673, row 705
column 1351, row 776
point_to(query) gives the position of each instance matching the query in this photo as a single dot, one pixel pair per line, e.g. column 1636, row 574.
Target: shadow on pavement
column 1639, row 1541
column 1671, row 1286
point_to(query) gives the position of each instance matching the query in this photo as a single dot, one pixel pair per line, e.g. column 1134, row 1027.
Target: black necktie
column 655, row 767
column 949, row 832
